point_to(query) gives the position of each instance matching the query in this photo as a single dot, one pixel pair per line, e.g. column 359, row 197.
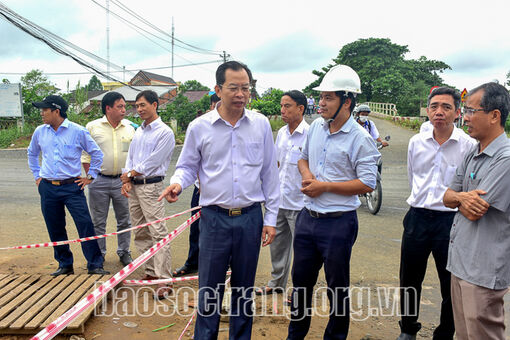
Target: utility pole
column 108, row 38
column 173, row 47
column 225, row 56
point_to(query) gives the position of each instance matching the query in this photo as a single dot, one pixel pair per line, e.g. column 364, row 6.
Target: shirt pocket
column 295, row 156
column 472, row 184
column 253, row 153
column 125, row 142
column 337, row 163
column 448, row 174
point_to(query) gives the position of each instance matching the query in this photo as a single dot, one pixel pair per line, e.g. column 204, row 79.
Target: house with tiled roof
column 148, row 78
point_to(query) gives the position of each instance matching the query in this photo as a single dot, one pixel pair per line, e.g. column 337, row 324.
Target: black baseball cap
column 52, row 102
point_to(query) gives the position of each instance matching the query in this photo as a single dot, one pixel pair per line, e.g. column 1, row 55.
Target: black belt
column 110, row 176
column 233, row 211
column 334, row 214
column 60, row 181
column 149, row 180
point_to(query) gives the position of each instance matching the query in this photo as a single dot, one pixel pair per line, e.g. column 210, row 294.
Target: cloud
column 293, row 52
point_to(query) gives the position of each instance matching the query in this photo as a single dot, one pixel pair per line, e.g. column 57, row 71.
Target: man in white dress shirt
column 289, row 144
column 232, row 150
column 146, row 165
column 433, row 157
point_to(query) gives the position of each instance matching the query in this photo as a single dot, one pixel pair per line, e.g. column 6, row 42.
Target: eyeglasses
column 244, row 89
column 469, row 111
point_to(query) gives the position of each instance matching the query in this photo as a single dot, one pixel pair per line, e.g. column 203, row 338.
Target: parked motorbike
column 374, row 198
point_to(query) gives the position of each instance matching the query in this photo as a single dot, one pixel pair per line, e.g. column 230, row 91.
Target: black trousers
column 318, row 242
column 194, row 233
column 425, row 231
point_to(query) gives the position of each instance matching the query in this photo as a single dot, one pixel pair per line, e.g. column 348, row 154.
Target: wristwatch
column 89, row 177
column 129, row 174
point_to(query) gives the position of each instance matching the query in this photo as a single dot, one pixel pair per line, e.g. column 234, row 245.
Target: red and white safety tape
column 61, row 322
column 90, row 238
column 159, row 281
column 194, row 314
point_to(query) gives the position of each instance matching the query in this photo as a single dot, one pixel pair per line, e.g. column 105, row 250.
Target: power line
column 132, row 70
column 138, row 29
column 148, row 23
column 53, row 41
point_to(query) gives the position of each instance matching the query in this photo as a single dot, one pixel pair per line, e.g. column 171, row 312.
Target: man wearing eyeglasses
column 232, row 150
column 433, row 157
column 479, row 252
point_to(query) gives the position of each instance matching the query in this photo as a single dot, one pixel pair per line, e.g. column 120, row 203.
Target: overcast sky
column 281, row 41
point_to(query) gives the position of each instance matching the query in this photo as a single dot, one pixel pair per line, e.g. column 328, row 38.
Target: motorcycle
column 374, row 198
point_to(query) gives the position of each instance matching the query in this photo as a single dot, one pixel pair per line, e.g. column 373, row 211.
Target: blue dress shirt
column 348, row 154
column 61, row 151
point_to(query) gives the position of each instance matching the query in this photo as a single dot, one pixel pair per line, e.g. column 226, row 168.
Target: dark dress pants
column 425, row 231
column 194, row 232
column 227, row 240
column 53, row 200
column 319, row 241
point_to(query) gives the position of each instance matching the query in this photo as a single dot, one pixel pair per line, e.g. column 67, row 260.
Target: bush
column 276, row 124
column 9, row 135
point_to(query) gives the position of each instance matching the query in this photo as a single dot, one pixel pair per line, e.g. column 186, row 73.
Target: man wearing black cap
column 60, row 185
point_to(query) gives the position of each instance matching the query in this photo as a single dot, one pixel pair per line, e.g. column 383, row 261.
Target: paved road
column 375, row 258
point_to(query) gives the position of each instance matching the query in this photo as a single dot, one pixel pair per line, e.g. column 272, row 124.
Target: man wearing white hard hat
column 339, row 162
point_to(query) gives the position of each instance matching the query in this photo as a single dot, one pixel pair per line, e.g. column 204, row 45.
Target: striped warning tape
column 84, row 239
column 61, row 322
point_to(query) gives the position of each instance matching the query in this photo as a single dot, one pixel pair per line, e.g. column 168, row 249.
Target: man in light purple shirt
column 146, row 165
column 232, row 150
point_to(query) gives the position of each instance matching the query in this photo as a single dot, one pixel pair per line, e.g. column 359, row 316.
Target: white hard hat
column 340, row 78
column 363, row 108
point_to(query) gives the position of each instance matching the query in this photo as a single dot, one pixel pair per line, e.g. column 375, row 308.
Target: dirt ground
column 374, row 264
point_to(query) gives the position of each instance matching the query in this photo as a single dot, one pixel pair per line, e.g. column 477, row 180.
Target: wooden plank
column 3, row 276
column 32, row 311
column 33, row 299
column 12, row 284
column 17, row 290
column 76, row 296
column 55, row 302
column 6, row 280
column 20, row 298
column 80, row 320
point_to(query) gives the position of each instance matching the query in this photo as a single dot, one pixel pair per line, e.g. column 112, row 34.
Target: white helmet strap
column 343, row 99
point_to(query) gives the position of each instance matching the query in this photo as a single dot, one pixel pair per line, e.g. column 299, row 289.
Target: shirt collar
column 105, row 121
column 346, row 128
column 65, row 124
column 215, row 115
column 300, row 128
column 152, row 125
column 456, row 133
column 495, row 145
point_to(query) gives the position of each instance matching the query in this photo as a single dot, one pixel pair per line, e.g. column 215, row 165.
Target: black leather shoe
column 98, row 271
column 405, row 336
column 63, row 271
column 125, row 259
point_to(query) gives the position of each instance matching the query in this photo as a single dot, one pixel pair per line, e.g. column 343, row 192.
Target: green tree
column 183, row 111
column 94, row 84
column 34, row 87
column 386, row 76
column 5, row 81
column 269, row 102
column 508, row 79
column 192, row 85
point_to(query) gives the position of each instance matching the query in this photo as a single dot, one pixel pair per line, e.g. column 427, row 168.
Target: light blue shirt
column 151, row 149
column 236, row 164
column 345, row 155
column 61, row 151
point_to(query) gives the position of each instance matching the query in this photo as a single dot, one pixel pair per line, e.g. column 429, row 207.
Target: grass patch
column 15, row 137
